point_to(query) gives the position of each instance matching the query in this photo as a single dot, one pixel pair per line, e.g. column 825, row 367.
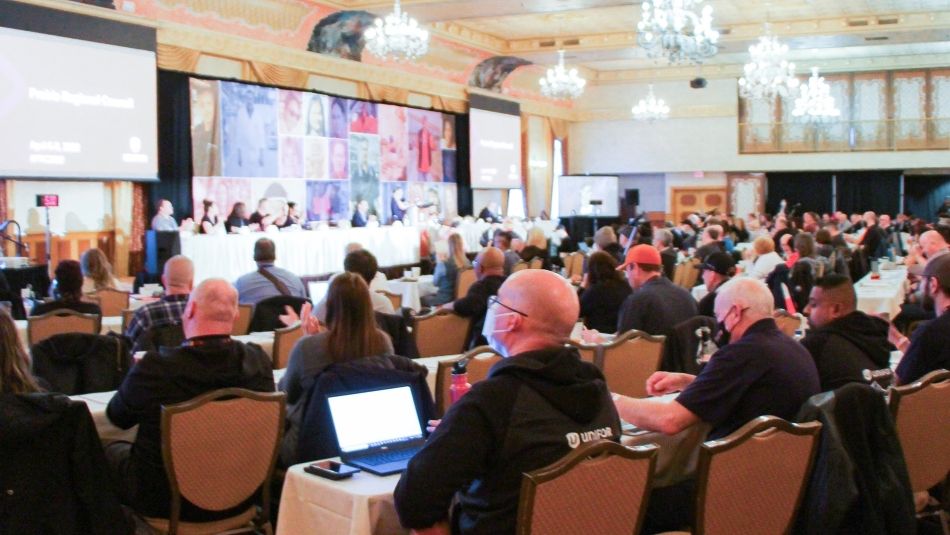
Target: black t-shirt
column 929, row 350
column 256, row 218
column 763, row 373
column 235, row 222
column 601, row 302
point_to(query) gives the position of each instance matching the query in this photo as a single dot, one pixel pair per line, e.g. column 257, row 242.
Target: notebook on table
column 377, row 430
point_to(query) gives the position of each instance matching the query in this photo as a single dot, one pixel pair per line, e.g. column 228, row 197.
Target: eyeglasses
column 494, row 300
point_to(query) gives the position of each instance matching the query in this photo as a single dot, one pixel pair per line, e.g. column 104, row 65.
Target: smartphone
column 331, row 470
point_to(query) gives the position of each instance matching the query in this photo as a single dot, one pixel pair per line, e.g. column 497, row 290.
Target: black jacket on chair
column 859, row 483
column 77, row 363
column 267, row 312
column 53, row 475
column 159, row 336
column 399, row 328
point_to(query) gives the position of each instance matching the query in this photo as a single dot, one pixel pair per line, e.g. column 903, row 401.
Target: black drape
column 812, row 190
column 924, row 195
column 174, row 145
column 462, row 168
column 860, row 191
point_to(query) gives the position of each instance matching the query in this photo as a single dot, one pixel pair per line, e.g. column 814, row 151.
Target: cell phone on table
column 331, row 470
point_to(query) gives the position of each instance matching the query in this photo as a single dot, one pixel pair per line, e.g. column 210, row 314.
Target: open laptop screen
column 364, row 420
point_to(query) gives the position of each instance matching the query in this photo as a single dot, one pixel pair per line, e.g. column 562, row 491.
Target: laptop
column 377, row 430
column 318, row 290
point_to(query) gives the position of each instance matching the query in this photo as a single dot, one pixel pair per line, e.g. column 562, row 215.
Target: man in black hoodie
column 206, row 361
column 843, row 341
column 536, row 405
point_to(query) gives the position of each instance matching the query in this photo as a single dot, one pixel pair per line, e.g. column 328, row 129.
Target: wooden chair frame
column 597, row 448
column 444, row 369
column 464, row 279
column 600, row 349
column 63, row 312
column 113, row 292
column 280, row 338
column 243, row 321
column 430, row 315
column 739, row 437
column 169, row 411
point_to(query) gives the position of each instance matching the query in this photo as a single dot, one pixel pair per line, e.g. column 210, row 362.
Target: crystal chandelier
column 561, row 83
column 768, row 73
column 651, row 108
column 671, row 28
column 815, row 103
column 397, row 38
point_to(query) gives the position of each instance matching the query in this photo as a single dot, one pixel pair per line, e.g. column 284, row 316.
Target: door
column 689, row 200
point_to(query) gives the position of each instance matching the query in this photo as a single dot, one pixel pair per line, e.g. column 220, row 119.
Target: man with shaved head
column 208, row 360
column 489, row 268
column 843, row 341
column 177, row 277
column 536, row 405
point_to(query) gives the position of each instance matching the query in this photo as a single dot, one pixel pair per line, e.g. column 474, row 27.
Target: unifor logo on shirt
column 576, row 439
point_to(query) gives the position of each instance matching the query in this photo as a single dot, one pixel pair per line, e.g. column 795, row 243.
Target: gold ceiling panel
column 275, row 14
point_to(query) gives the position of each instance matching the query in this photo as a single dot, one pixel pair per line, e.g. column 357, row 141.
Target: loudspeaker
column 631, row 197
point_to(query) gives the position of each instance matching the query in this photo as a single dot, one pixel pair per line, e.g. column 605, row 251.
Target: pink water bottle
column 460, row 385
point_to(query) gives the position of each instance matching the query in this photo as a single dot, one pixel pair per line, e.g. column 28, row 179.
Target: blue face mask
column 488, row 330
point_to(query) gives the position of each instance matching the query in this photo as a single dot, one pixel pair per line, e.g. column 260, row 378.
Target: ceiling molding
column 467, row 36
column 622, row 113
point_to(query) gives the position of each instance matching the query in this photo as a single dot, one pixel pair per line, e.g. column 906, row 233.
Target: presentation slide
column 495, row 151
column 588, row 196
column 76, row 109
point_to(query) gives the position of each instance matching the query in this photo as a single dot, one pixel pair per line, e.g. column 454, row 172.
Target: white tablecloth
column 472, row 231
column 309, row 252
column 885, row 295
column 411, row 291
column 110, row 324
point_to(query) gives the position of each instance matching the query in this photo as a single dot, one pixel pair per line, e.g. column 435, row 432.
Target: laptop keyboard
column 386, row 457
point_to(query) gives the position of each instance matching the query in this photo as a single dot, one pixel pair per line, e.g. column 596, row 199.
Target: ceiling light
column 768, row 73
column 651, row 108
column 671, row 28
column 561, row 83
column 815, row 104
column 397, row 38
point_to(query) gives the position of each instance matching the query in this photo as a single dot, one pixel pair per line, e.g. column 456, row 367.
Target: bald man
column 843, row 341
column 206, row 361
column 177, row 278
column 537, row 404
column 489, row 268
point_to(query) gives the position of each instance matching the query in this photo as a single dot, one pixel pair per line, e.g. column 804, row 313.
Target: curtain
column 139, row 223
column 860, row 191
column 174, row 145
column 924, row 195
column 812, row 190
column 462, row 169
column 122, row 204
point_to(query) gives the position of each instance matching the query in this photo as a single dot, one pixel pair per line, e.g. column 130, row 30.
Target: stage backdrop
column 326, row 153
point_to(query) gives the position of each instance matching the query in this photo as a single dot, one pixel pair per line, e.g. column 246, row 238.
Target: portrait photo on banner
column 249, row 130
column 339, row 125
column 425, row 153
column 363, row 118
column 328, row 200
column 224, row 192
column 364, row 170
column 393, row 142
column 205, row 133
column 449, row 148
column 316, row 114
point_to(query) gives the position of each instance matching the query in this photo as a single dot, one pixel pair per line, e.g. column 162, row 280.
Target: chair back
column 126, row 318
column 220, row 448
column 588, row 352
column 243, row 321
column 629, row 360
column 158, row 336
column 463, row 281
column 600, row 487
column 394, row 298
column 686, row 273
column 922, row 417
column 683, row 345
column 758, row 472
column 76, row 363
column 519, row 265
column 111, row 301
column 440, row 333
column 267, row 312
column 480, row 361
column 536, row 263
column 284, row 341
column 575, row 264
column 61, row 321
column 787, row 323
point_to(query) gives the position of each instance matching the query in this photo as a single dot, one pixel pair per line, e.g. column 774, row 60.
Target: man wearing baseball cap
column 717, row 270
column 929, row 348
column 656, row 304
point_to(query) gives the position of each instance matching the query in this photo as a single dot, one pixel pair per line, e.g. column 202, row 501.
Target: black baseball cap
column 721, row 263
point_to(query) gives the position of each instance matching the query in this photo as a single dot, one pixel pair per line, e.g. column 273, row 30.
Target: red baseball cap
column 642, row 254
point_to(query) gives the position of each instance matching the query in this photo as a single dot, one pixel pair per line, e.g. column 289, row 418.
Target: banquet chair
column 394, row 298
column 267, row 312
column 756, row 474
column 519, row 265
column 80, row 363
column 787, row 323
column 599, row 487
column 243, row 321
column 480, row 361
column 219, row 449
column 629, row 360
column 463, row 281
column 536, row 263
column 921, row 411
column 111, row 301
column 588, row 352
column 686, row 273
column 64, row 320
column 284, row 341
column 126, row 318
column 440, row 333
column 575, row 264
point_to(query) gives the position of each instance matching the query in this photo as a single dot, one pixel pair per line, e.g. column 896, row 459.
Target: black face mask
column 722, row 335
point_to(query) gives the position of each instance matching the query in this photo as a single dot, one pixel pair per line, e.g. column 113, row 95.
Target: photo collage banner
column 324, row 153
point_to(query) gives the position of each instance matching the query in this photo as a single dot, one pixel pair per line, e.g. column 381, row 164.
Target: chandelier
column 768, row 73
column 397, row 38
column 671, row 28
column 561, row 83
column 815, row 103
column 651, row 108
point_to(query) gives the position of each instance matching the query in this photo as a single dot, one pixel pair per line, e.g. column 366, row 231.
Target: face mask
column 488, row 330
column 722, row 333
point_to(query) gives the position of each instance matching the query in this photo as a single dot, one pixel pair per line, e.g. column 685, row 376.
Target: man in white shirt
column 363, row 263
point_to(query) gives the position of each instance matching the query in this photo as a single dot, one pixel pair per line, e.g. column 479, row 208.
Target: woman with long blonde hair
column 15, row 376
column 96, row 271
column 536, row 246
column 451, row 256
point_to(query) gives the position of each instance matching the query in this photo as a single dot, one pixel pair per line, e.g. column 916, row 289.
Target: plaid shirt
column 168, row 310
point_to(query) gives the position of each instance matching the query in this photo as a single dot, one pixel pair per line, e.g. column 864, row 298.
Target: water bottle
column 27, row 295
column 460, row 385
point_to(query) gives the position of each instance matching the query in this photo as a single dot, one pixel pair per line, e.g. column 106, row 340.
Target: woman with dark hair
column 15, row 376
column 210, row 220
column 237, row 218
column 68, row 289
column 603, row 293
column 351, row 334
